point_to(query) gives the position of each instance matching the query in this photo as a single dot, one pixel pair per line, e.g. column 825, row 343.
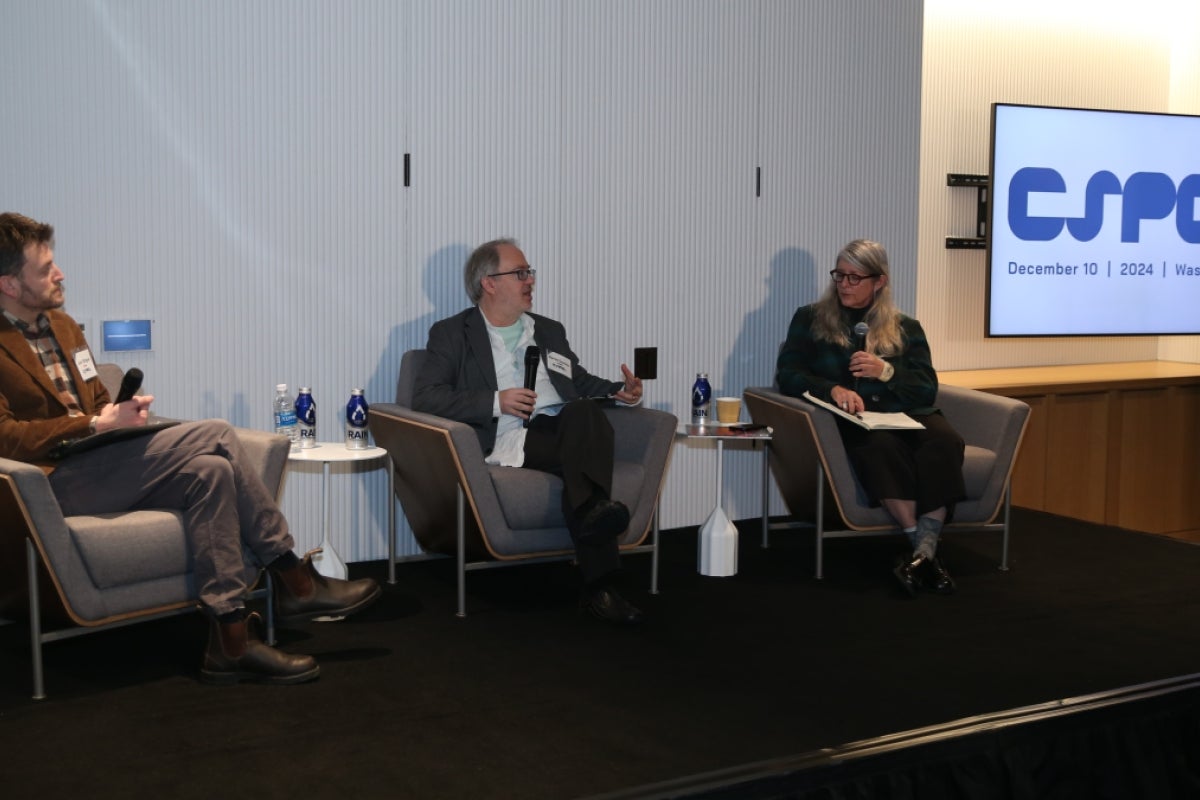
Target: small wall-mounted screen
column 126, row 334
column 1094, row 223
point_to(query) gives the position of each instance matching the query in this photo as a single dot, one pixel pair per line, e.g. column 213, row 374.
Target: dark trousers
column 577, row 446
column 921, row 465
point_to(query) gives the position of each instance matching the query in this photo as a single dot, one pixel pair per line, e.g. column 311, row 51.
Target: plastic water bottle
column 306, row 418
column 285, row 415
column 356, row 421
column 701, row 399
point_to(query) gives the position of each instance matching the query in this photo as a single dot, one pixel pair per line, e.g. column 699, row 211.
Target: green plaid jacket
column 808, row 365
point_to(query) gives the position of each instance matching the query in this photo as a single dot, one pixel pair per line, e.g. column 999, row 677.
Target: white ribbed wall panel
column 839, row 85
column 658, row 141
column 485, row 137
column 670, row 109
column 231, row 171
column 234, row 172
column 1123, row 56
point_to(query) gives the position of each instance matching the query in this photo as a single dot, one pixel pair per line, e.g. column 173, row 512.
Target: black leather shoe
column 605, row 520
column 609, row 606
column 935, row 577
column 302, row 593
column 236, row 653
column 909, row 572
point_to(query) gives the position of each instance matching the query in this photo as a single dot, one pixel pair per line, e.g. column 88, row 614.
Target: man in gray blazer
column 475, row 374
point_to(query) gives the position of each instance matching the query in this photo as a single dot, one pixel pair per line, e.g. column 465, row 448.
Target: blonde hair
column 885, row 336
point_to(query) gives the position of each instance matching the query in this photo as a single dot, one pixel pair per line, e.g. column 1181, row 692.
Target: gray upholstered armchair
column 87, row 573
column 820, row 488
column 489, row 516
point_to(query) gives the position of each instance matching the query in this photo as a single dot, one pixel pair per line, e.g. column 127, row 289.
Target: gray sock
column 928, row 530
column 911, row 533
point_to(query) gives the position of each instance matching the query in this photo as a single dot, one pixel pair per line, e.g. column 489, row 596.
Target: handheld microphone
column 533, row 355
column 860, row 336
column 129, row 384
column 860, row 343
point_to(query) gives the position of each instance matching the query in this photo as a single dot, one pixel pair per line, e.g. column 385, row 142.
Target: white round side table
column 328, row 562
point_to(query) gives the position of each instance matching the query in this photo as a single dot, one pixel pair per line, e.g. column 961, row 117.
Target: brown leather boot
column 303, row 593
column 237, row 653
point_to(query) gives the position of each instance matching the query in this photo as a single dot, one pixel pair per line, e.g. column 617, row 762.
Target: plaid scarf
column 45, row 347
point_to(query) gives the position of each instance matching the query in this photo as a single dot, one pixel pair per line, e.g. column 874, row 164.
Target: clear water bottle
column 306, row 418
column 356, row 421
column 285, row 415
column 701, row 399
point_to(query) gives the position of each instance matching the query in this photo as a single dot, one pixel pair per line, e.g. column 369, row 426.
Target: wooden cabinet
column 1117, row 444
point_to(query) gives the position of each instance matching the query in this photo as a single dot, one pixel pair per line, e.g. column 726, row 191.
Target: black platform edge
column 856, row 765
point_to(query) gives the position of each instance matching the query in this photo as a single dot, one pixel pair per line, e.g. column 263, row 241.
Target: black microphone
column 860, row 336
column 129, row 384
column 533, row 355
column 860, row 343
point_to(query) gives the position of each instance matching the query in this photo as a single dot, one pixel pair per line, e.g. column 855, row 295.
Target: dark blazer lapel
column 549, row 343
column 479, row 349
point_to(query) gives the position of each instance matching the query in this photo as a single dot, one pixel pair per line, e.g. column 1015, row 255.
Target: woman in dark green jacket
column 855, row 349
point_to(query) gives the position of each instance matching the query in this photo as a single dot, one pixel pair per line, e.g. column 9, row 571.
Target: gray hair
column 868, row 256
column 886, row 337
column 482, row 262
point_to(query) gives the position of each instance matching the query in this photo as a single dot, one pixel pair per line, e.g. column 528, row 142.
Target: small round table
column 717, row 536
column 328, row 562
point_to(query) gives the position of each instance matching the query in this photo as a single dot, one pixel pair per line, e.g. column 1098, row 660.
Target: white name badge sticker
column 85, row 364
column 559, row 364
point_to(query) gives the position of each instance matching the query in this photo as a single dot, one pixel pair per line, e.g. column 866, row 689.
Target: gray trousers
column 196, row 468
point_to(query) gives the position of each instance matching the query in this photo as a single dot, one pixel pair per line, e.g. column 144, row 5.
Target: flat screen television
column 1093, row 223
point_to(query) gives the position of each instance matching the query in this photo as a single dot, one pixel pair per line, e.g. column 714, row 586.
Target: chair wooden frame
column 43, row 574
column 452, row 503
column 821, row 491
column 46, row 599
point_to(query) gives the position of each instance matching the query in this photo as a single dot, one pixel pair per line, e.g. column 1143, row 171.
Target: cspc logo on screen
column 1145, row 196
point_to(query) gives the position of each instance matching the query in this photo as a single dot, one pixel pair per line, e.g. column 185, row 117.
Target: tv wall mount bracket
column 981, row 184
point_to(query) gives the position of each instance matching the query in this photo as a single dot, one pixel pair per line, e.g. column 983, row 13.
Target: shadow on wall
column 443, row 286
column 238, row 413
column 791, row 283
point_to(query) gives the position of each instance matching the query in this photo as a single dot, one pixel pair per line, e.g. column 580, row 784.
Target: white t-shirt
column 509, row 449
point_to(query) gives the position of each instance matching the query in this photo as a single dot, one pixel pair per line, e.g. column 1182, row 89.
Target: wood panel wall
column 1115, row 444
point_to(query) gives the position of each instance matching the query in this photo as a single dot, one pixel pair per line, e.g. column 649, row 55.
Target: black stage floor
column 769, row 683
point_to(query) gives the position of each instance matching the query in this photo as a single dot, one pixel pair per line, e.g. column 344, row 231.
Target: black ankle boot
column 909, row 572
column 936, row 578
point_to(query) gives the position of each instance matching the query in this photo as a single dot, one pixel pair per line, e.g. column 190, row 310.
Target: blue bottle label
column 356, row 423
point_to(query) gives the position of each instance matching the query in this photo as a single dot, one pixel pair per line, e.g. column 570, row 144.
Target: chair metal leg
column 270, row 609
column 460, row 554
column 35, row 621
column 391, row 484
column 1004, row 540
column 654, row 555
column 820, row 520
column 766, row 495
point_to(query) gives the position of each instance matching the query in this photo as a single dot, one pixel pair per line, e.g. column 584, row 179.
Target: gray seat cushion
column 978, row 465
column 131, row 547
column 532, row 500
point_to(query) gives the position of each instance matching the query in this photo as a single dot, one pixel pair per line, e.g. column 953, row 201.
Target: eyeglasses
column 850, row 277
column 523, row 274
